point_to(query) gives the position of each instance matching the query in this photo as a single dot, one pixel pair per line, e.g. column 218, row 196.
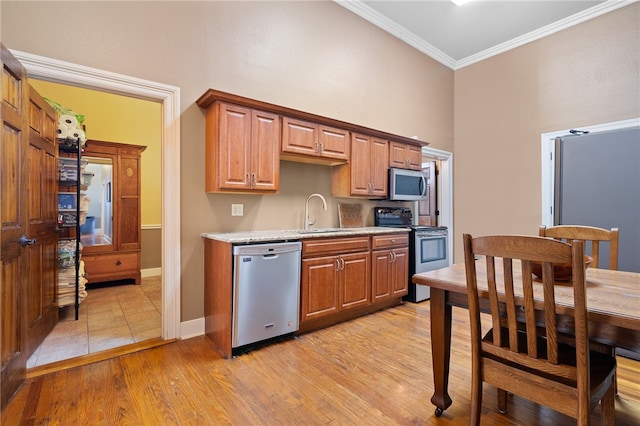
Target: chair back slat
column 587, row 234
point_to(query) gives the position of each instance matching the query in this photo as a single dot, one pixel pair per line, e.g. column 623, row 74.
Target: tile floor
column 110, row 316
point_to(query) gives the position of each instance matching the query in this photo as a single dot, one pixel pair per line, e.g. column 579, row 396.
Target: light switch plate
column 237, row 209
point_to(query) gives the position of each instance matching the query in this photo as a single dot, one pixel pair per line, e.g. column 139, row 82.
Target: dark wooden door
column 41, row 310
column 13, row 225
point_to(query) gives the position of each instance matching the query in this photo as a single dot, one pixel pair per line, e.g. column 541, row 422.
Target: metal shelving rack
column 74, row 147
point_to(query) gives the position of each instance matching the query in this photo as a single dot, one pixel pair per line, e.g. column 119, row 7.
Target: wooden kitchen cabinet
column 366, row 174
column 405, row 156
column 335, row 276
column 111, row 250
column 242, row 149
column 314, row 141
column 390, row 266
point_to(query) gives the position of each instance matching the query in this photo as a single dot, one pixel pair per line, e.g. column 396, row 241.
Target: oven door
column 430, row 252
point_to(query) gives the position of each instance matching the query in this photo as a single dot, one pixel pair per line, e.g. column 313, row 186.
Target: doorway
column 48, row 69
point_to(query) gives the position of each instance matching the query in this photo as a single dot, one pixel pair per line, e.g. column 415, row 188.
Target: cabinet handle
column 249, row 180
column 255, row 182
column 317, row 147
column 321, row 148
column 337, row 265
column 393, row 241
column 342, row 262
column 118, row 263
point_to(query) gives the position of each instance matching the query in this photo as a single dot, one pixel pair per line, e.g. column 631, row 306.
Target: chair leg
column 615, row 375
column 476, row 401
column 502, row 401
column 608, row 407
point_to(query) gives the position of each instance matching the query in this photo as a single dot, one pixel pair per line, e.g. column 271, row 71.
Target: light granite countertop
column 297, row 234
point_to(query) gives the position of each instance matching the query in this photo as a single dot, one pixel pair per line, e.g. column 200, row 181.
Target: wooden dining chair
column 591, row 234
column 527, row 359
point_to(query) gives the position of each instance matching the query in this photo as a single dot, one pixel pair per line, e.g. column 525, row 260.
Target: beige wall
column 313, row 56
column 318, row 57
column 586, row 75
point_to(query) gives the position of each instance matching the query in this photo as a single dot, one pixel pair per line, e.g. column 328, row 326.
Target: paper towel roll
column 69, row 120
column 65, row 131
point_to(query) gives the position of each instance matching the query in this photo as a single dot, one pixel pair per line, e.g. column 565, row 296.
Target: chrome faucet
column 307, row 222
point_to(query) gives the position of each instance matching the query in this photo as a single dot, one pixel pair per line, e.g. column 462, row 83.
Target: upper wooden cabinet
column 313, row 140
column 246, row 139
column 366, row 174
column 405, row 156
column 242, row 149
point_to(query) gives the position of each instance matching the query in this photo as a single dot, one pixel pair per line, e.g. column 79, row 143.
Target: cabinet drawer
column 334, row 246
column 391, row 240
column 107, row 263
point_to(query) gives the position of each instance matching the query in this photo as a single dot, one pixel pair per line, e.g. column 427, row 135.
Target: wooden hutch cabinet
column 112, row 234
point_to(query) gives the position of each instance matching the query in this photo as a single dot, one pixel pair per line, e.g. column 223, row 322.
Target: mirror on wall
column 97, row 180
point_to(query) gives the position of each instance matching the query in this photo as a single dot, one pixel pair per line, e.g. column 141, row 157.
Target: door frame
column 56, row 71
column 547, row 157
column 444, row 189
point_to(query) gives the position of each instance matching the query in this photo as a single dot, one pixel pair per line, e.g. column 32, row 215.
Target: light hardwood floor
column 111, row 316
column 375, row 370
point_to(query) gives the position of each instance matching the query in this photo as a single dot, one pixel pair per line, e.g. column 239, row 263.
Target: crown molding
column 563, row 24
column 381, row 21
column 390, row 26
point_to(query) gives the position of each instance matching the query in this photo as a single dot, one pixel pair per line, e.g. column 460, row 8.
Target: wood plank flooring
column 375, row 370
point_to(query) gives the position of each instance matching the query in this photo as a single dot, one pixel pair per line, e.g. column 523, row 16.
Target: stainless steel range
column 427, row 246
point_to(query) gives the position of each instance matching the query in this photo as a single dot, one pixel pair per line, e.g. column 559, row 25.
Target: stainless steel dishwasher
column 266, row 291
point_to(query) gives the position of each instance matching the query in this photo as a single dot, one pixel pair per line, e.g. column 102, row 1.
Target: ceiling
column 458, row 36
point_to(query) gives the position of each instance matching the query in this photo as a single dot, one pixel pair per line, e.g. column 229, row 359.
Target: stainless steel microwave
column 407, row 185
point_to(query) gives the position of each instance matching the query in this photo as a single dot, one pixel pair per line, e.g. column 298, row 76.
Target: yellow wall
column 121, row 119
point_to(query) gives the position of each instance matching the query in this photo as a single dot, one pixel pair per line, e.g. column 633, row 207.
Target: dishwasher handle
column 267, row 249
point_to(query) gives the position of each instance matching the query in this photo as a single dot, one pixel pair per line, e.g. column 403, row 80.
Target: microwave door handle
column 424, row 185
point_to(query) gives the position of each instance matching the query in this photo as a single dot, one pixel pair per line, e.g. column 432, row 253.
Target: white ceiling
column 458, row 36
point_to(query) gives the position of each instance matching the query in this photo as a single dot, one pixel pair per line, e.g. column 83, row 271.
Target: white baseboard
column 151, row 272
column 192, row 328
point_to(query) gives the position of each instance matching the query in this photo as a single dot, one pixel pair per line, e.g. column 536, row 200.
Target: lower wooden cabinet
column 335, row 276
column 390, row 266
column 340, row 275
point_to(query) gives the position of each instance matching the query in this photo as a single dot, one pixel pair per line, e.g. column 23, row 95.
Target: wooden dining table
column 613, row 304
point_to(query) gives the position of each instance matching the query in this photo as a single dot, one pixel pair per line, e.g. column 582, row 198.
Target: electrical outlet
column 237, row 209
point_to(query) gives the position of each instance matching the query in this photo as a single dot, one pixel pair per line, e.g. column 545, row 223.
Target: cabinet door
column 233, row 148
column 361, row 165
column 265, row 151
column 355, row 280
column 319, row 287
column 334, row 143
column 381, row 273
column 414, row 157
column 397, row 155
column 299, row 137
column 400, row 272
column 379, row 167
column 126, row 192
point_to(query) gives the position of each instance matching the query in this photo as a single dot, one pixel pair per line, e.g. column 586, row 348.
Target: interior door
column 427, row 214
column 13, row 225
column 41, row 309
